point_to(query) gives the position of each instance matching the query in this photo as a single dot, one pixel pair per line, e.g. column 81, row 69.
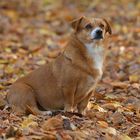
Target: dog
column 68, row 82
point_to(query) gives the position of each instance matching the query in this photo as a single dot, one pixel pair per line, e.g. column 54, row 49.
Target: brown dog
column 69, row 81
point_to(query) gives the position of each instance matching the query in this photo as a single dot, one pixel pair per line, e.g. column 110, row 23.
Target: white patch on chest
column 97, row 55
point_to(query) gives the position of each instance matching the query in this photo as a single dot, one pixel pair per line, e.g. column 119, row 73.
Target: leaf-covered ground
column 33, row 32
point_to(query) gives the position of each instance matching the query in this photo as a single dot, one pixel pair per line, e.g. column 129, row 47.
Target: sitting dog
column 69, row 81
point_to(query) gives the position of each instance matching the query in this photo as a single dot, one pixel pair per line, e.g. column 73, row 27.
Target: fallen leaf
column 29, row 122
column 2, row 102
column 134, row 131
column 11, row 132
column 112, row 105
column 111, row 130
column 53, row 123
column 124, row 137
column 68, row 125
column 134, row 78
column 102, row 124
column 97, row 107
column 119, row 84
column 117, row 118
column 110, row 96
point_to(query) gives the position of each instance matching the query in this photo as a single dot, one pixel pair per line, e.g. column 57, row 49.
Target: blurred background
column 33, row 32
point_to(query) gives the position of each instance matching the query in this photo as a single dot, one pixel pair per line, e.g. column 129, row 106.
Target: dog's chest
column 96, row 53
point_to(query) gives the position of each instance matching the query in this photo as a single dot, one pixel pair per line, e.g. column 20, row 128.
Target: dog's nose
column 99, row 32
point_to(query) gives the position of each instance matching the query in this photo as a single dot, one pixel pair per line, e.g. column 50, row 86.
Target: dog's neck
column 89, row 57
column 97, row 54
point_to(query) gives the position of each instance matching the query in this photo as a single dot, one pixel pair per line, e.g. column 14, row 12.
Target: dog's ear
column 108, row 27
column 77, row 23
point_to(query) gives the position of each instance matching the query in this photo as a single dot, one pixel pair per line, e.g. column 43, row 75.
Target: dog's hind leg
column 22, row 97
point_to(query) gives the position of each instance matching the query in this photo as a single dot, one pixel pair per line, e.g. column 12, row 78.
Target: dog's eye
column 88, row 26
column 102, row 25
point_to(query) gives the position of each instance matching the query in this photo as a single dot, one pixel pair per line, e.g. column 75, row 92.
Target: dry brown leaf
column 134, row 131
column 112, row 105
column 53, row 123
column 80, row 135
column 2, row 102
column 102, row 124
column 117, row 118
column 119, row 84
column 64, row 136
column 108, row 137
column 137, row 138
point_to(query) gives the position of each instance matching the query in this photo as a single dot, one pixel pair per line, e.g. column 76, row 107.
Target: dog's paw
column 82, row 112
column 46, row 113
column 68, row 108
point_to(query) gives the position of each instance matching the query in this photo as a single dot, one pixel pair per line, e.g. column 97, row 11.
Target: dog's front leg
column 68, row 100
column 83, row 104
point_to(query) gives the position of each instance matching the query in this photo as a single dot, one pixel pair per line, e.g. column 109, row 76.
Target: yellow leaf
column 9, row 69
column 125, row 137
column 129, row 56
column 12, row 14
column 1, row 87
column 110, row 96
column 2, row 61
column 8, row 50
column 29, row 122
column 99, row 108
column 125, row 29
column 134, row 78
column 117, row 27
column 45, row 31
column 41, row 62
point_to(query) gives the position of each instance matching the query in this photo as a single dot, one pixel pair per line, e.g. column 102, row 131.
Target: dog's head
column 89, row 30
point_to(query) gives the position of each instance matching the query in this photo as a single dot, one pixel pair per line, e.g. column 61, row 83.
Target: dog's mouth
column 97, row 38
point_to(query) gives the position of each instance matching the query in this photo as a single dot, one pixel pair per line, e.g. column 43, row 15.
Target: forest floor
column 31, row 34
